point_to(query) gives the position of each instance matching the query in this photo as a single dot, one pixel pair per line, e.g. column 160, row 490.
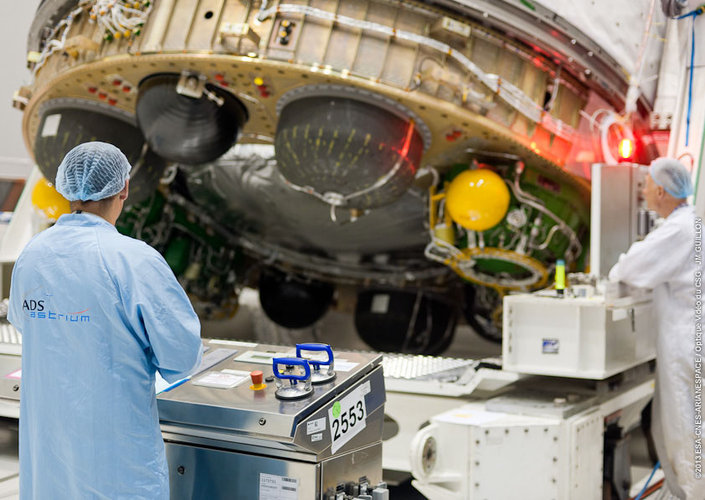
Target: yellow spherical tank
column 47, row 199
column 477, row 199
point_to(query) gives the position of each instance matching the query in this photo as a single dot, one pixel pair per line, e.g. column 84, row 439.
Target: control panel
column 264, row 421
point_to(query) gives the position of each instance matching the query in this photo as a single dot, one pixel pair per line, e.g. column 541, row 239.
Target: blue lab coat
column 100, row 313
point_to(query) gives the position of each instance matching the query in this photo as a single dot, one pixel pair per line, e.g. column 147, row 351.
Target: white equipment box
column 576, row 337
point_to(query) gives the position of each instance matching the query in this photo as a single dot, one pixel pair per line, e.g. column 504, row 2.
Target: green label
column 336, row 409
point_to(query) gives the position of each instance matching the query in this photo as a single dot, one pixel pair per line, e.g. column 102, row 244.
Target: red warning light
column 617, row 140
column 625, row 149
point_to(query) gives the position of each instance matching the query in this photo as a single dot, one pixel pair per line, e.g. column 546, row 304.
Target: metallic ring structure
column 538, row 272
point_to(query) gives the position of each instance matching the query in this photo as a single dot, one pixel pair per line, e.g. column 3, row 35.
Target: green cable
column 528, row 4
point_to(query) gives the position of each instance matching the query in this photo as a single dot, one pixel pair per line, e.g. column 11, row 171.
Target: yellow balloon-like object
column 47, row 199
column 477, row 199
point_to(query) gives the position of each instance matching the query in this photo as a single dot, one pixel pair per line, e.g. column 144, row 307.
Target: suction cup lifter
column 294, row 389
column 318, row 376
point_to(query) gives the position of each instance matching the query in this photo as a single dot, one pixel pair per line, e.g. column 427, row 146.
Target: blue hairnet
column 92, row 171
column 672, row 176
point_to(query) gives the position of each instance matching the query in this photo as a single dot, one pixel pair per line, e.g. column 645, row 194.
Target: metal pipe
column 539, row 205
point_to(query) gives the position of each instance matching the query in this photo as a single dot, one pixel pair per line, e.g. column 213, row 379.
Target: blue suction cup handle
column 317, row 348
column 291, row 362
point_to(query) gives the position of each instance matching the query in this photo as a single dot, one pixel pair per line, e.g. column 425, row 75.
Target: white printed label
column 550, row 346
column 366, row 388
column 259, row 357
column 51, row 125
column 456, row 26
column 380, row 303
column 317, row 425
column 224, row 379
column 235, row 343
column 317, row 437
column 347, row 418
column 273, row 487
column 619, row 314
column 342, row 365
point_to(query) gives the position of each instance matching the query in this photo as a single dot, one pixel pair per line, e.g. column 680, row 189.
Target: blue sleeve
column 14, row 311
column 157, row 305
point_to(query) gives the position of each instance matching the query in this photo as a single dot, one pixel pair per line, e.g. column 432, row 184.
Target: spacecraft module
column 419, row 150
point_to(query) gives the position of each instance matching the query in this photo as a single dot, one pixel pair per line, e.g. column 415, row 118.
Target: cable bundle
column 119, row 18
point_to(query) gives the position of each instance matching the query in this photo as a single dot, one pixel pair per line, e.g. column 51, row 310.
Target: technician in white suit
column 665, row 262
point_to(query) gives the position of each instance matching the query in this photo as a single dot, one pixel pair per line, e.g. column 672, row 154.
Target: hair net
column 672, row 175
column 92, row 171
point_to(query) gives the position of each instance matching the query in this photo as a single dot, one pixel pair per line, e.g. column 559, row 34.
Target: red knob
column 257, row 377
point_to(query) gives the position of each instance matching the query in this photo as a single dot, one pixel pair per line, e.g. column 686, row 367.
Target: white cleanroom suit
column 665, row 262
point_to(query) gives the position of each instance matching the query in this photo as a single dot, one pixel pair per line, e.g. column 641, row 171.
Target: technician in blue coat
column 99, row 314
